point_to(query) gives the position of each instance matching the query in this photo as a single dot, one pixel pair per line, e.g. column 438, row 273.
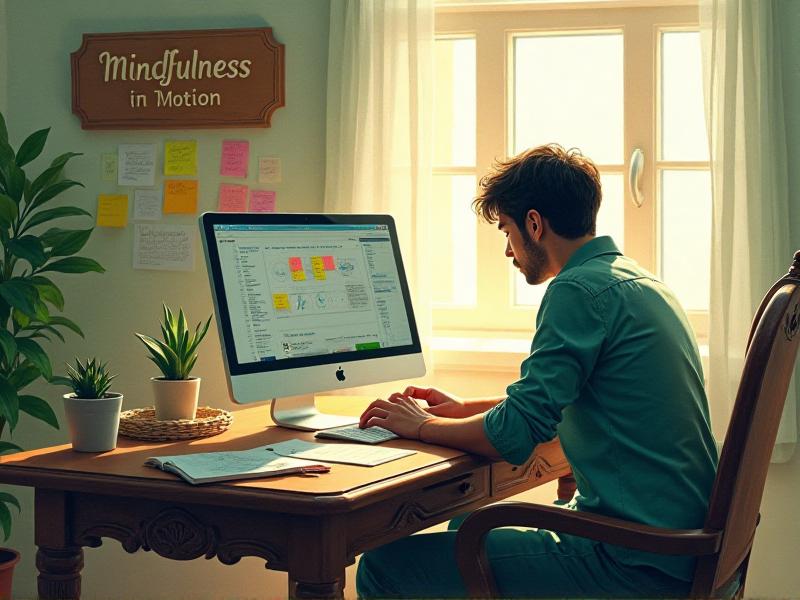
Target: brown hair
column 563, row 185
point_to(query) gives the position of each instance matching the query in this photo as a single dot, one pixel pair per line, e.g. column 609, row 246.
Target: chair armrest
column 471, row 549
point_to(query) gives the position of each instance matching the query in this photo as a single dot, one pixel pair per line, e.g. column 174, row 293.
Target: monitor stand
column 300, row 412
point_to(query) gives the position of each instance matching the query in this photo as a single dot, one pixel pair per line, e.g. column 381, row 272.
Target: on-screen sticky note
column 232, row 197
column 318, row 268
column 295, row 263
column 180, row 158
column 327, row 262
column 280, row 301
column 180, row 196
column 235, row 158
column 112, row 210
column 262, row 201
column 298, row 275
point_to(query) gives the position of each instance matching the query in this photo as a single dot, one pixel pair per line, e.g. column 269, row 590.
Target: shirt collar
column 591, row 249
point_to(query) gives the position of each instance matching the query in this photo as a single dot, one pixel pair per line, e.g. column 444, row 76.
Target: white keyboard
column 352, row 433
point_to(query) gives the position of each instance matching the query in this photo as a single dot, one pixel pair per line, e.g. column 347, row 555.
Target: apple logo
column 340, row 374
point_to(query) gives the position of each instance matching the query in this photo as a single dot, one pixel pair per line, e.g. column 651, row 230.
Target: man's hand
column 439, row 403
column 400, row 414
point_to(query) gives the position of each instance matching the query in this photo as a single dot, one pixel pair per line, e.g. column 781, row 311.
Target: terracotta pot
column 175, row 398
column 8, row 560
column 93, row 423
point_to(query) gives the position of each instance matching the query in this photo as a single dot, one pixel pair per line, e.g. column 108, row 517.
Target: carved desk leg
column 317, row 557
column 58, row 559
column 566, row 488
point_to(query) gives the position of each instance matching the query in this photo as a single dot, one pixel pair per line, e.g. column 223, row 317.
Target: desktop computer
column 307, row 303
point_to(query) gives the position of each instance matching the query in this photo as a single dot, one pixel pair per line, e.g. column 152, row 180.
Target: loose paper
column 112, row 210
column 180, row 196
column 108, row 167
column 180, row 158
column 262, row 201
column 352, row 454
column 232, row 197
column 269, row 169
column 147, row 204
column 235, row 157
column 137, row 164
column 164, row 247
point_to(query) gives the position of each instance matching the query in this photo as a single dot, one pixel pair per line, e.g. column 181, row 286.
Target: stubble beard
column 535, row 260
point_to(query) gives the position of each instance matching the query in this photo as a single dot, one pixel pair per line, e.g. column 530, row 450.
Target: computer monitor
column 308, row 303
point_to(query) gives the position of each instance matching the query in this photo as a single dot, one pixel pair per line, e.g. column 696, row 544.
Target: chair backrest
column 742, row 472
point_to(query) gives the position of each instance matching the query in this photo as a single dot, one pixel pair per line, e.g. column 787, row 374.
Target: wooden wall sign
column 178, row 79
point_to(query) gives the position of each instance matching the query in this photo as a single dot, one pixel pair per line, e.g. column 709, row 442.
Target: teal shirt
column 614, row 371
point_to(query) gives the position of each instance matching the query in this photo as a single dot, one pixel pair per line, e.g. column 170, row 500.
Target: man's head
column 540, row 199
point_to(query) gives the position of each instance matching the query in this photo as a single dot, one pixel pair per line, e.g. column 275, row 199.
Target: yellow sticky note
column 318, row 267
column 298, row 275
column 180, row 158
column 180, row 196
column 112, row 210
column 280, row 301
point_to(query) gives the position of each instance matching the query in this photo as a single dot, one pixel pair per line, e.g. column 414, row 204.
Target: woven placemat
column 141, row 424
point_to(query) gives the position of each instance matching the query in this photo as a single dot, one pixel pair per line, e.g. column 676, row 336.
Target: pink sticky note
column 232, row 197
column 235, row 158
column 262, row 201
column 327, row 263
column 295, row 264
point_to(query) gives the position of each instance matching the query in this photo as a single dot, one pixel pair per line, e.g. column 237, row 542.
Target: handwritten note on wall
column 137, row 164
column 235, row 158
column 262, row 201
column 163, row 247
column 108, row 167
column 112, row 210
column 180, row 196
column 269, row 169
column 180, row 158
column 147, row 204
column 232, row 197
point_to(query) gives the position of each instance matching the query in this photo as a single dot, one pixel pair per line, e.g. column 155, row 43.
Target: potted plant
column 92, row 411
column 175, row 393
column 33, row 244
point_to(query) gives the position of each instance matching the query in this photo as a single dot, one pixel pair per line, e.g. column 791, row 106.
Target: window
column 606, row 80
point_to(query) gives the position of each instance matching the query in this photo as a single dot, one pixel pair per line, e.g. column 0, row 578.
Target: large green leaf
column 61, row 159
column 54, row 190
column 71, row 242
column 36, row 355
column 19, row 294
column 9, row 210
column 61, row 380
column 24, row 375
column 30, row 248
column 38, row 408
column 65, row 322
column 3, row 130
column 32, row 147
column 74, row 264
column 8, row 345
column 9, row 402
column 5, row 520
column 8, row 447
column 16, row 182
column 55, row 213
column 48, row 291
column 45, row 178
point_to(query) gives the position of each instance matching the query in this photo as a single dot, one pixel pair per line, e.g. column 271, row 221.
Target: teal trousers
column 526, row 564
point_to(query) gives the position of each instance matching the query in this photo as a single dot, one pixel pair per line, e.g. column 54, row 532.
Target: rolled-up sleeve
column 570, row 331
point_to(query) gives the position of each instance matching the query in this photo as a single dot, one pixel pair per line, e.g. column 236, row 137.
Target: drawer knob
column 466, row 488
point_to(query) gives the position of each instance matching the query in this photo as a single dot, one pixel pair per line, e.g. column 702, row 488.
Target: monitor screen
column 296, row 290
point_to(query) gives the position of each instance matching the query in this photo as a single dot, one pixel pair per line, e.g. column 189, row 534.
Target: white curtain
column 379, row 125
column 750, row 237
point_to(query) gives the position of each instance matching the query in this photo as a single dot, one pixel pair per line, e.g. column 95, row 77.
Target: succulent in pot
column 91, row 410
column 176, row 392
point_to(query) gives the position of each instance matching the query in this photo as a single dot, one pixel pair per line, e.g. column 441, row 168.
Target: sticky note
column 180, row 196
column 295, row 264
column 232, row 197
column 180, row 158
column 136, row 164
column 262, row 201
column 280, row 301
column 235, row 157
column 318, row 268
column 108, row 167
column 298, row 275
column 112, row 210
column 327, row 261
column 269, row 169
column 147, row 204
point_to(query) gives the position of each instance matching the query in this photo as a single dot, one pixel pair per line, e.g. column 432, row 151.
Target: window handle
column 635, row 177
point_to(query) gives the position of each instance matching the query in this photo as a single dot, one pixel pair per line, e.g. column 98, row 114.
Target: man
column 614, row 371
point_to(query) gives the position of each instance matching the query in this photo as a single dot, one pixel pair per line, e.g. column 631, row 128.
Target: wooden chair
column 722, row 546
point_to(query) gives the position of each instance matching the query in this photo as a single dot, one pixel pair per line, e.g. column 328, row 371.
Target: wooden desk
column 311, row 527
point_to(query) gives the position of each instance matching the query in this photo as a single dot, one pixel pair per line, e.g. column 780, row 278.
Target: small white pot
column 93, row 423
column 175, row 398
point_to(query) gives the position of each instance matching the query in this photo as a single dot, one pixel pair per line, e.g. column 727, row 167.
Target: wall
column 773, row 566
column 111, row 306
column 3, row 56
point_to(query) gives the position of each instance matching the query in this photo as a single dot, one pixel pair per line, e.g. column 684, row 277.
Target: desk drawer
column 545, row 464
column 402, row 515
